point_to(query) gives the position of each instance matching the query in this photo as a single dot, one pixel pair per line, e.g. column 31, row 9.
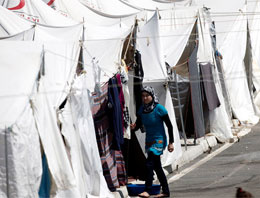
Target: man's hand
column 170, row 147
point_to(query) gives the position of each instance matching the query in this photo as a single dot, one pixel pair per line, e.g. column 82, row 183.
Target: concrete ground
column 219, row 174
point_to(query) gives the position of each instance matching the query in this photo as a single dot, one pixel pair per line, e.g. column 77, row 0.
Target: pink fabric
column 121, row 98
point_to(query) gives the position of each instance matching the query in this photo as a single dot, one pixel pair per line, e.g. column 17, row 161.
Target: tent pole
column 180, row 110
column 6, row 164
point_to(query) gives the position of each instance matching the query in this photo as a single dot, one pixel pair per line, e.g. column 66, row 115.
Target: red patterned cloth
column 112, row 161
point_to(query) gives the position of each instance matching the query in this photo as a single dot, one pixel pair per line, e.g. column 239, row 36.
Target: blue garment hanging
column 115, row 114
column 45, row 187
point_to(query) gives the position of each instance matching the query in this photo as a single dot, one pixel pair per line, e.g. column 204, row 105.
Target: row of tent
column 42, row 44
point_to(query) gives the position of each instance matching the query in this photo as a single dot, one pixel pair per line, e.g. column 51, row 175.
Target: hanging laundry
column 121, row 171
column 125, row 88
column 116, row 98
column 121, row 97
column 115, row 102
column 45, row 187
column 209, row 86
column 104, row 137
column 112, row 161
column 196, row 95
column 132, row 149
column 138, row 79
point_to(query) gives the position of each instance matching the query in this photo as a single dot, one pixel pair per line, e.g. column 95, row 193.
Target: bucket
column 135, row 189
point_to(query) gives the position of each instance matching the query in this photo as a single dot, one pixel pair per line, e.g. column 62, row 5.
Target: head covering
column 150, row 106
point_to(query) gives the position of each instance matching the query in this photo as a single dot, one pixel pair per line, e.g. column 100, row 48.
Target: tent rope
column 129, row 40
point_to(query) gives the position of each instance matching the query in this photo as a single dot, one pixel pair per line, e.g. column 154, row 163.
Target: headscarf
column 150, row 106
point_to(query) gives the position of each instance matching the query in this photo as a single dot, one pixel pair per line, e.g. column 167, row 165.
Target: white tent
column 226, row 16
column 233, row 62
column 57, row 66
column 37, row 11
column 90, row 165
column 104, row 7
column 220, row 123
column 102, row 42
column 175, row 29
column 102, row 53
column 79, row 12
column 11, row 24
column 223, row 13
column 60, row 61
column 254, row 28
column 53, row 145
column 19, row 138
column 153, row 5
column 77, row 112
column 61, row 52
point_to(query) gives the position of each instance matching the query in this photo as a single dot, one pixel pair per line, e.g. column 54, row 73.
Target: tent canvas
column 254, row 28
column 179, row 23
column 79, row 104
column 175, row 29
column 220, row 123
column 154, row 5
column 102, row 53
column 79, row 12
column 37, row 11
column 18, row 134
column 11, row 24
column 104, row 7
column 235, row 74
